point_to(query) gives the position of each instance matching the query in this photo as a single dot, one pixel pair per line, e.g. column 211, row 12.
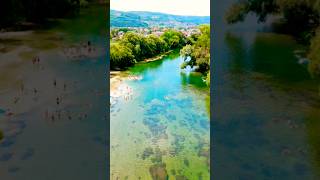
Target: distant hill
column 149, row 19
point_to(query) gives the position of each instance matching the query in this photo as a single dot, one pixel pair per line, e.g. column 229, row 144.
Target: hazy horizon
column 160, row 12
column 173, row 7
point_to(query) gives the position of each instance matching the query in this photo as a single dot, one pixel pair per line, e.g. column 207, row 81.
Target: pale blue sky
column 178, row 7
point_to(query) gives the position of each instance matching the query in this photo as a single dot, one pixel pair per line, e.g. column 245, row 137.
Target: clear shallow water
column 35, row 147
column 164, row 128
column 269, row 130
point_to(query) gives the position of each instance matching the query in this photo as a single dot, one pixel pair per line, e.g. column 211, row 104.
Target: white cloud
column 178, row 7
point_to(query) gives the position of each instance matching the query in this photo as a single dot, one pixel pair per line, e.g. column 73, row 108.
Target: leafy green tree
column 198, row 54
column 120, row 56
column 173, row 38
column 133, row 41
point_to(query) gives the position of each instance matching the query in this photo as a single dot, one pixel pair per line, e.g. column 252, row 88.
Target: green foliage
column 208, row 79
column 302, row 12
column 120, row 56
column 174, row 39
column 142, row 47
column 198, row 54
column 237, row 12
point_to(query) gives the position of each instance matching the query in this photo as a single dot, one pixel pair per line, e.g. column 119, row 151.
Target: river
column 53, row 111
column 265, row 116
column 160, row 125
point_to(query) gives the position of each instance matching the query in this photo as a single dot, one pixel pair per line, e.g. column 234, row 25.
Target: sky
column 177, row 7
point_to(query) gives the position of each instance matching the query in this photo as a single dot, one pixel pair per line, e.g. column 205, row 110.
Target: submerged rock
column 159, row 172
column 147, row 153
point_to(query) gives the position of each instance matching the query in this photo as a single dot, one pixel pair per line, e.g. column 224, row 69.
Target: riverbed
column 160, row 122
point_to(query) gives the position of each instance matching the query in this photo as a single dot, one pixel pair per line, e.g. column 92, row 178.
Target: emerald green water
column 164, row 126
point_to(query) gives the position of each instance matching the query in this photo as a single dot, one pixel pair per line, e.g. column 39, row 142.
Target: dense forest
column 15, row 12
column 301, row 18
column 134, row 47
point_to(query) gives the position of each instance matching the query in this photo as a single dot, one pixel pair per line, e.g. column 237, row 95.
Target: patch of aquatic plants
column 156, row 109
column 178, row 144
column 147, row 153
column 157, row 128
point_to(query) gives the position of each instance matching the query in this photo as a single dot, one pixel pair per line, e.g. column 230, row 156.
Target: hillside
column 149, row 19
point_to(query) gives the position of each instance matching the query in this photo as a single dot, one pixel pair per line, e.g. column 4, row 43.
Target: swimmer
column 58, row 101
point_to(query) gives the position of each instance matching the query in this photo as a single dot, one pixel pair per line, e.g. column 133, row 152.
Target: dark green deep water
column 266, row 108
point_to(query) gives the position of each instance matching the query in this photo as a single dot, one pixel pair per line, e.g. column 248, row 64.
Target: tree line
column 301, row 19
column 134, row 47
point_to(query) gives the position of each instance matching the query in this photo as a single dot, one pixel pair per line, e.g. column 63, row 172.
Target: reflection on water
column 270, row 133
column 163, row 130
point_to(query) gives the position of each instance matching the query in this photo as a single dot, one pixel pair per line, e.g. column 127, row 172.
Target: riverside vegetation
column 133, row 47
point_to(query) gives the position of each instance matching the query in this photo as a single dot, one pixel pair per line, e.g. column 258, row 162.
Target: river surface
column 266, row 106
column 161, row 126
column 46, row 138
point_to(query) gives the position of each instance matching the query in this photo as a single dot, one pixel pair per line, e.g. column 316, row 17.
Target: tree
column 120, row 56
column 198, row 54
column 173, row 38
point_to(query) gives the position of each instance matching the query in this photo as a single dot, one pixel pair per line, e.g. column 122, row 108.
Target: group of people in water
column 81, row 51
column 55, row 113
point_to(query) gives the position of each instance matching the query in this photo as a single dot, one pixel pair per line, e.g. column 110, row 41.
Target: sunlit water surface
column 163, row 128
